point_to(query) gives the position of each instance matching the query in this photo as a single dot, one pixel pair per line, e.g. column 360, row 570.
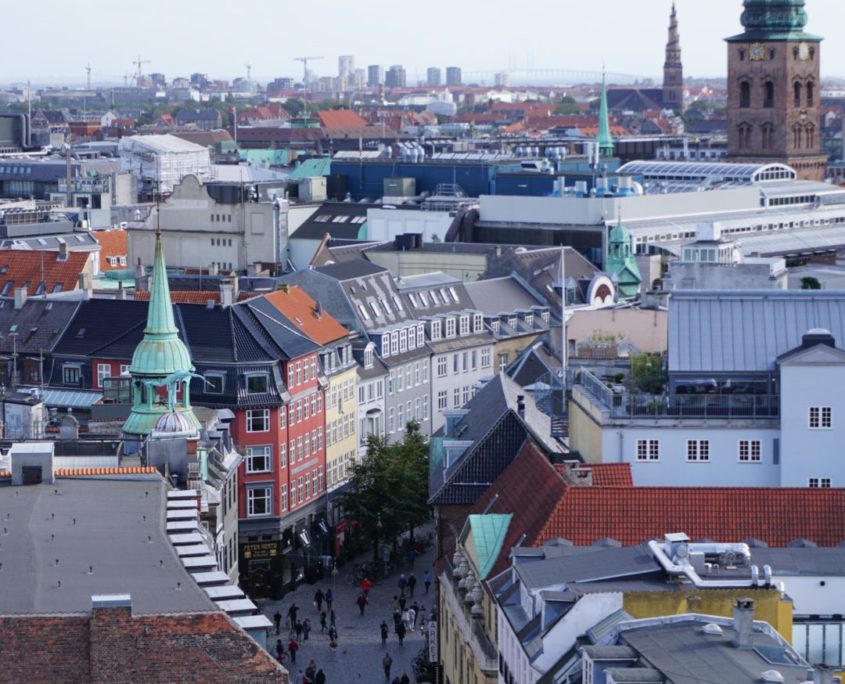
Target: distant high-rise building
column 774, row 93
column 501, row 79
column 281, row 83
column 358, row 79
column 345, row 67
column 395, row 77
column 453, row 76
column 433, row 77
column 199, row 81
column 158, row 80
column 673, row 69
column 375, row 75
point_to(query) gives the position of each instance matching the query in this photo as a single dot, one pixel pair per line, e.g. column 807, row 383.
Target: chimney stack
column 20, row 297
column 62, row 251
column 227, row 295
column 743, row 622
column 520, row 406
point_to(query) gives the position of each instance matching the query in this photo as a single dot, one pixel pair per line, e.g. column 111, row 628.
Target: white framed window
column 385, row 345
column 300, row 486
column 420, row 335
column 259, row 459
column 425, row 370
column 71, row 373
column 820, row 483
column 750, row 450
column 298, row 372
column 124, row 369
column 503, row 361
column 450, row 327
column 648, row 450
column 390, row 378
column 293, row 413
column 820, row 417
column 259, row 501
column 391, row 420
column 456, row 397
column 412, row 339
column 292, row 451
column 394, row 342
column 464, row 325
column 477, row 323
column 698, row 450
column 403, row 341
column 258, row 420
column 290, row 375
column 442, row 400
column 435, row 330
column 300, row 448
column 400, row 417
column 103, row 372
column 298, row 411
column 283, row 455
column 441, row 367
column 486, row 357
column 417, row 373
column 283, row 498
column 256, row 383
column 283, row 418
column 425, row 407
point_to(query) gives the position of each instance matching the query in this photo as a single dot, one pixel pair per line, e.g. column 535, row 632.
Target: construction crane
column 305, row 61
column 139, row 63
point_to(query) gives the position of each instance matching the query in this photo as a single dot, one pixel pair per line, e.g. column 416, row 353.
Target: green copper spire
column 622, row 263
column 773, row 20
column 603, row 139
column 161, row 367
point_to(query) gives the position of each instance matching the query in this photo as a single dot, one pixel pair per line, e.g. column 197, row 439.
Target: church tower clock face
column 804, row 52
column 757, row 52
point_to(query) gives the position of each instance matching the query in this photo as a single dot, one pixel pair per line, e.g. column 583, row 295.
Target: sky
column 219, row 37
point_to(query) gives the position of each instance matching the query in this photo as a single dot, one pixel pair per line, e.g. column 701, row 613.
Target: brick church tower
column 673, row 69
column 774, row 89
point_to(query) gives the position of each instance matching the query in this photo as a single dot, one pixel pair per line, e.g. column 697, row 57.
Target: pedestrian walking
column 292, row 611
column 332, row 635
column 306, row 628
column 412, row 619
column 366, row 585
column 395, row 602
column 332, row 619
column 421, row 618
column 405, row 617
column 320, row 678
column 277, row 619
column 280, row 650
column 293, row 647
column 404, row 679
column 412, row 582
column 322, row 622
column 386, row 662
column 400, row 633
column 318, row 599
column 427, row 580
column 329, row 599
column 402, row 583
column 362, row 603
column 311, row 671
column 412, row 556
column 397, row 617
column 383, row 634
column 402, row 602
column 298, row 629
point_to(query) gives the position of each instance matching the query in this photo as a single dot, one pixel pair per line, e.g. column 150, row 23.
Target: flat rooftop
column 63, row 543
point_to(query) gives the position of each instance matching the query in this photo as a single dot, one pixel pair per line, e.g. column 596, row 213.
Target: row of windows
column 259, row 459
column 221, row 218
column 221, row 242
column 436, row 297
column 370, row 392
column 820, row 417
column 340, row 429
column 456, row 324
column 762, row 227
column 302, row 409
column 768, row 94
column 302, row 371
column 698, row 450
column 259, row 500
column 408, row 376
column 401, row 341
column 339, row 469
column 380, row 308
column 117, row 261
column 404, row 413
column 464, row 361
column 71, row 373
column 341, row 392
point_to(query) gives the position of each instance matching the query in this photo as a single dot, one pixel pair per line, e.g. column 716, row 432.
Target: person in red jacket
column 366, row 585
column 293, row 647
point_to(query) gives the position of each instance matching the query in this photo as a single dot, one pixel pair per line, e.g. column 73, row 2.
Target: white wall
column 383, row 225
column 724, row 469
column 811, row 598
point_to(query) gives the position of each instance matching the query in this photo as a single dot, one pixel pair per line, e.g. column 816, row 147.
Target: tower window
column 796, row 90
column 742, row 55
column 769, row 95
column 744, row 136
column 796, row 137
column 745, row 94
column 810, row 94
column 810, row 137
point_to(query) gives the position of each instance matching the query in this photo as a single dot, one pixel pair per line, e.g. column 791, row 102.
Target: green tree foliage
column 810, row 283
column 391, row 486
column 294, row 106
column 567, row 106
column 647, row 373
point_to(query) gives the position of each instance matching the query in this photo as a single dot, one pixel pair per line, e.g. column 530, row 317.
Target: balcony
column 620, row 403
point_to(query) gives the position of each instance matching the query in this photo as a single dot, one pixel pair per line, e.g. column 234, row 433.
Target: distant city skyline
column 219, row 38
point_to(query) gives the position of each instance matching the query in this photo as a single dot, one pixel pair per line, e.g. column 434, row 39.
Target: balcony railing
column 625, row 404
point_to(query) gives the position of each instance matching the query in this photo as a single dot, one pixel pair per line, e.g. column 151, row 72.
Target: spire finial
column 604, row 139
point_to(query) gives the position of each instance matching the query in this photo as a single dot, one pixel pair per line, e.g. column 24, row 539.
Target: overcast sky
column 53, row 40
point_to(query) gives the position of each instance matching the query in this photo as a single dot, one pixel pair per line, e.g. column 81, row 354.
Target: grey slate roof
column 500, row 295
column 801, row 561
column 39, row 325
column 113, row 521
column 746, row 331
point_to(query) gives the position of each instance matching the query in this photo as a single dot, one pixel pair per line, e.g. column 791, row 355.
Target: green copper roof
column 488, row 536
column 604, row 140
column 774, row 20
column 622, row 263
column 160, row 363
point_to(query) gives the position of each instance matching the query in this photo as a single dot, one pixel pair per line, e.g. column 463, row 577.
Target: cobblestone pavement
column 359, row 654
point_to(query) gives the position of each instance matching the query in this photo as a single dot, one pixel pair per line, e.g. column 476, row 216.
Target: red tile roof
column 727, row 514
column 298, row 307
column 610, row 474
column 184, row 296
column 114, row 646
column 112, row 244
column 81, row 472
column 33, row 267
column 340, row 118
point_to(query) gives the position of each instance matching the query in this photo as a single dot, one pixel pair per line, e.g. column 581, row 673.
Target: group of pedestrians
column 300, row 630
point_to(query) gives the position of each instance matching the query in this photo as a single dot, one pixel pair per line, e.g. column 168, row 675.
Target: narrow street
column 359, row 653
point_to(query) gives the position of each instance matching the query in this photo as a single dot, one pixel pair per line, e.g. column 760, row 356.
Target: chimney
column 213, row 270
column 227, row 294
column 743, row 622
column 142, row 283
column 20, row 297
column 62, row 251
column 86, row 285
column 121, row 291
column 520, row 406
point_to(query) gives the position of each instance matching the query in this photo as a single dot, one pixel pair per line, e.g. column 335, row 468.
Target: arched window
column 768, row 136
column 796, row 137
column 796, row 88
column 810, row 94
column 745, row 94
column 810, row 136
column 744, row 131
column 769, row 94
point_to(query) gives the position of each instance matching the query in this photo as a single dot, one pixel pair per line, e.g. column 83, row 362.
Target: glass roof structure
column 706, row 172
